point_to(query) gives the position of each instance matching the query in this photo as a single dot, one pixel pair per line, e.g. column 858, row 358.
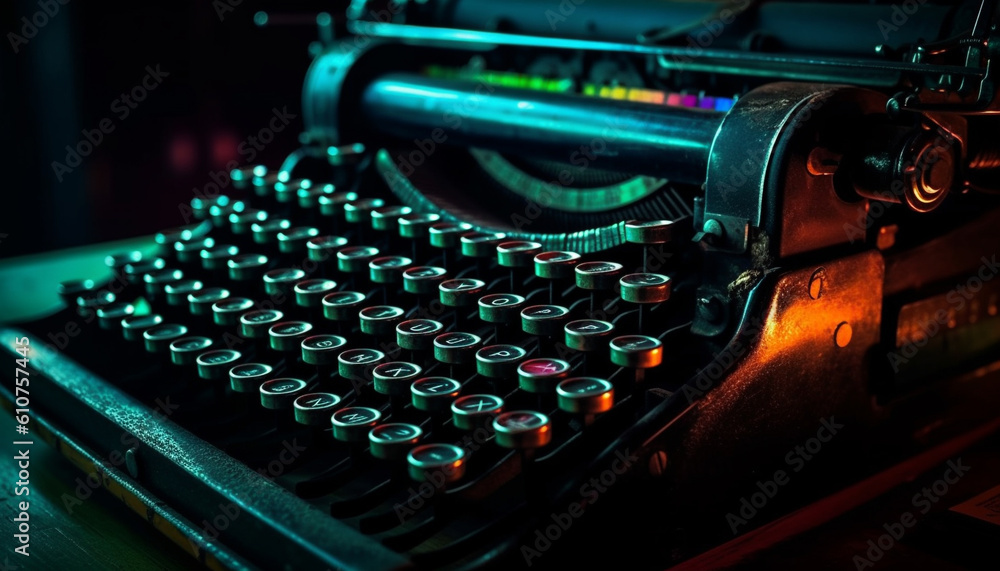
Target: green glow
column 260, row 18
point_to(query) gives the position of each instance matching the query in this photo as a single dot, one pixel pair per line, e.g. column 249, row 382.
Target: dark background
column 226, row 74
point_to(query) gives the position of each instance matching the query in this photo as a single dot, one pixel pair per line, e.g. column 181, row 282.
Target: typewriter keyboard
column 421, row 380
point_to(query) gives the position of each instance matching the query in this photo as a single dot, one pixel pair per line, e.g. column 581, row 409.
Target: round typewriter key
column 134, row 273
column 417, row 225
column 200, row 302
column 645, row 288
column 387, row 217
column 159, row 337
column 499, row 361
column 333, row 204
column 544, row 319
column 314, row 409
column 394, row 440
column 474, row 411
column 423, row 280
column 91, row 300
column 322, row 349
column 133, row 326
column 418, row 334
column 220, row 214
column 462, row 292
column 636, row 351
column 308, row 196
column 359, row 211
column 284, row 192
column 500, row 307
column 188, row 250
column 342, row 305
column 119, row 260
column 288, row 336
column 585, row 395
column 394, row 378
column 282, row 281
column 217, row 257
column 255, row 324
column 156, row 280
column 355, row 259
column 277, row 394
column 555, row 265
column 541, row 376
column 248, row 377
column 434, row 394
column 310, row 293
column 517, row 253
column 266, row 232
column 110, row 316
column 227, row 312
column 601, row 276
column 447, row 234
column 180, row 233
column 215, row 365
column 649, row 231
column 357, row 364
column 522, row 429
column 322, row 248
column 388, row 269
column 588, row 334
column 380, row 320
column 177, row 292
column 353, row 423
column 295, row 240
column 242, row 222
column 481, row 244
column 247, row 267
column 437, row 462
column 184, row 351
column 200, row 205
column 456, row 347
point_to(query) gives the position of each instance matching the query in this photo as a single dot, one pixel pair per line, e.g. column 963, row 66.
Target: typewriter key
column 310, row 293
column 356, row 365
column 181, row 233
column 295, row 240
column 184, row 351
column 90, row 300
column 278, row 394
column 522, row 429
column 177, row 292
column 500, row 308
column 386, row 218
column 461, row 292
column 333, row 204
column 352, row 424
column 285, row 192
column 188, row 251
column 214, row 365
column 446, row 235
column 456, row 348
column 636, row 352
column 418, row 334
column 649, row 231
column 247, row 267
column 481, row 244
column 255, row 324
column 342, row 305
column 645, row 288
column 444, row 463
column 499, row 361
column 135, row 272
column 322, row 349
column 394, row 440
column 322, row 248
column 133, row 326
column 517, row 254
column 110, row 316
column 423, row 280
column 380, row 320
column 547, row 320
column 388, row 269
column 227, row 312
column 308, row 196
column 394, row 378
column 217, row 257
column 434, row 394
column 288, row 335
column 282, row 281
column 588, row 334
column 159, row 337
column 359, row 211
column 540, row 376
column 417, row 225
column 119, row 260
column 220, row 213
column 266, row 232
column 555, row 265
column 200, row 302
column 314, row 409
column 355, row 259
column 248, row 377
column 585, row 395
column 200, row 205
column 601, row 276
column 241, row 223
column 156, row 280
column 474, row 411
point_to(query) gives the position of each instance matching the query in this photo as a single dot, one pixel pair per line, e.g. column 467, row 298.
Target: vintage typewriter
column 557, row 282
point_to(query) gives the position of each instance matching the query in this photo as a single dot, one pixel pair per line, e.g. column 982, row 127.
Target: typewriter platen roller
column 721, row 229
